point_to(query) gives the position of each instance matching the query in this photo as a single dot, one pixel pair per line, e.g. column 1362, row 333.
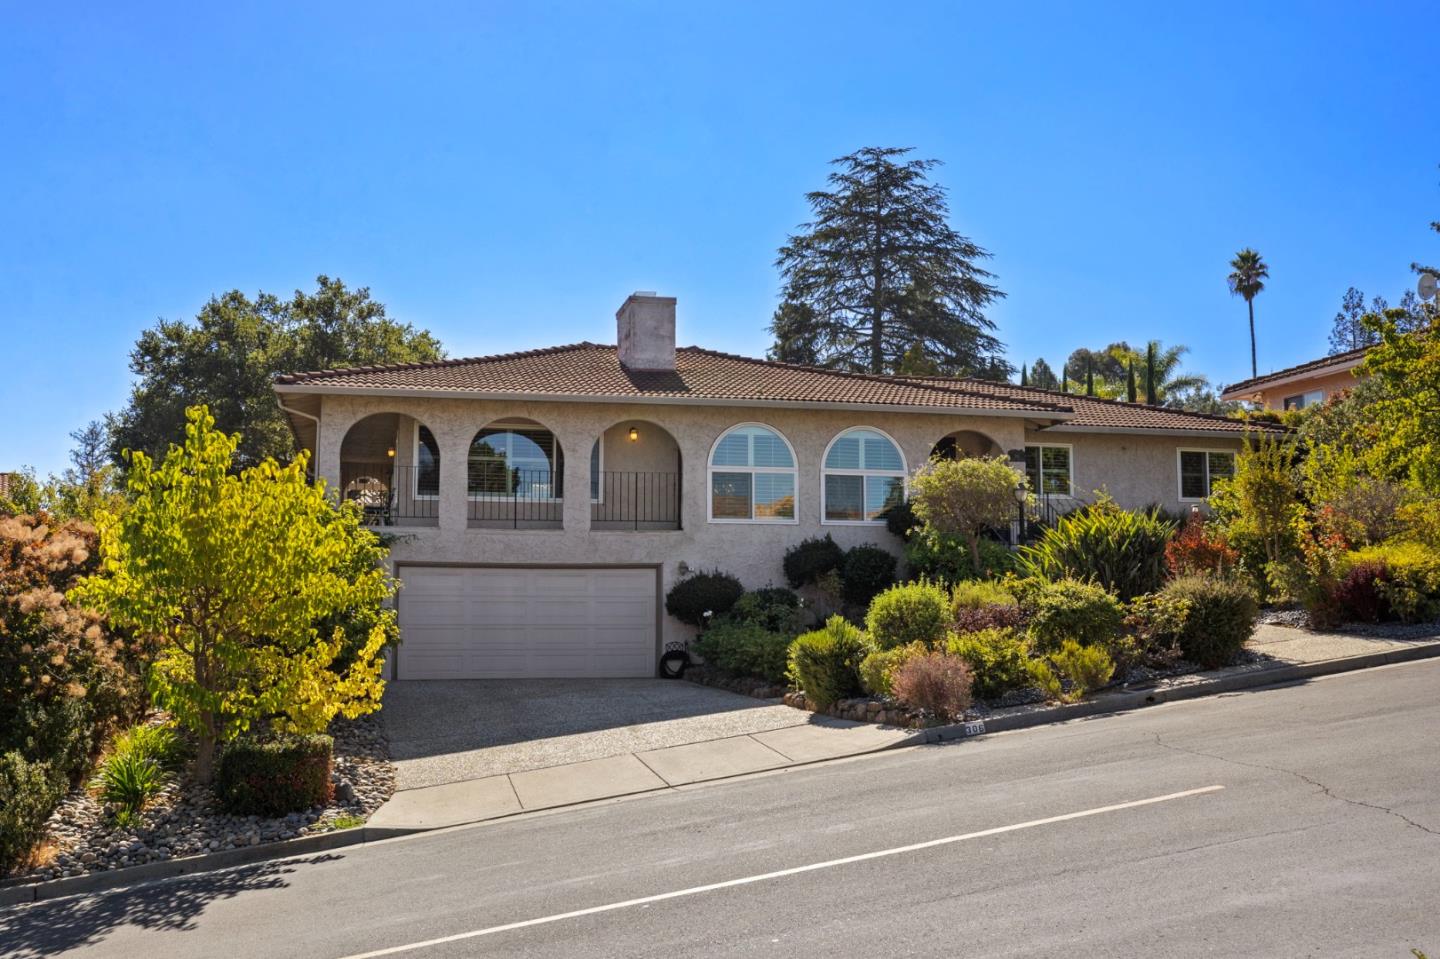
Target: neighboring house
column 6, row 481
column 541, row 503
column 1299, row 386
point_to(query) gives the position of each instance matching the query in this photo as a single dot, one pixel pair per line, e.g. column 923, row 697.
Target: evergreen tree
column 1089, row 379
column 879, row 271
column 1131, row 393
column 1024, row 376
column 1150, row 373
column 1042, row 377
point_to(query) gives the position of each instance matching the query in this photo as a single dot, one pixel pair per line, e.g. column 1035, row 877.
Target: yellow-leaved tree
column 265, row 601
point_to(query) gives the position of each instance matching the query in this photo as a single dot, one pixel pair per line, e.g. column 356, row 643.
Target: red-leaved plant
column 1195, row 549
column 935, row 682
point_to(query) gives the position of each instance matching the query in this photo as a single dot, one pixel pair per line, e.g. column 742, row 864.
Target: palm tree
column 1248, row 274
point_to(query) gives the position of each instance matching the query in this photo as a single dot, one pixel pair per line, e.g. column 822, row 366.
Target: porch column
column 576, row 445
column 326, row 464
column 454, row 478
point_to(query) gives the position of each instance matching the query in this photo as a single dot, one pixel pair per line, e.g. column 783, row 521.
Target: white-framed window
column 752, row 477
column 1050, row 468
column 1301, row 400
column 427, row 464
column 515, row 461
column 862, row 475
column 1200, row 468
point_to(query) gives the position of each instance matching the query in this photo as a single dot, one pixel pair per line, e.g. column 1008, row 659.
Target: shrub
column 983, row 605
column 29, row 791
column 978, row 594
column 1220, row 618
column 152, row 742
column 275, row 776
column 826, row 663
column 1412, row 589
column 946, row 557
column 900, row 519
column 693, row 597
column 1196, row 549
column 807, row 561
column 64, row 681
column 773, row 608
column 1070, row 609
column 935, row 682
column 746, row 648
column 867, row 572
column 1358, row 597
column 878, row 669
column 1042, row 676
column 965, row 497
column 1155, row 623
column 1120, row 550
column 909, row 613
column 129, row 779
column 1086, row 667
column 998, row 660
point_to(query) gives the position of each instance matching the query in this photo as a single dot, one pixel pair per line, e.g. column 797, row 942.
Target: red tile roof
column 1350, row 357
column 1097, row 413
column 591, row 371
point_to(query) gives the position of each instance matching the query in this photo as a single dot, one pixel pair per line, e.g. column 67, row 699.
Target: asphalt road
column 1102, row 837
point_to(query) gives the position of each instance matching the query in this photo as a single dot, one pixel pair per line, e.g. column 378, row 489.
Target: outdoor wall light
column 390, row 452
column 634, row 434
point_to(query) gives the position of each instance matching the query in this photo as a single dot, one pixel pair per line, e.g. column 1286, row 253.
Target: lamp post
column 1021, row 495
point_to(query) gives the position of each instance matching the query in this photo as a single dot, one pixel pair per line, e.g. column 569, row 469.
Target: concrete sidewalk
column 450, row 804
column 1293, row 653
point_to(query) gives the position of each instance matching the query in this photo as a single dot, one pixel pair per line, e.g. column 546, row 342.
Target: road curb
column 1115, row 702
column 1131, row 699
column 13, row 893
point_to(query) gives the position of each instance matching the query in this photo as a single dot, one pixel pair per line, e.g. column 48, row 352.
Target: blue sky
column 503, row 174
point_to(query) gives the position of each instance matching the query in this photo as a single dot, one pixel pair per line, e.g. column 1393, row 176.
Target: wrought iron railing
column 390, row 495
column 635, row 501
column 504, row 498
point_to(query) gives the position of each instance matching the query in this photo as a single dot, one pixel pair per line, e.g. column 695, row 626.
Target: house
column 1299, row 386
column 7, row 480
column 541, row 503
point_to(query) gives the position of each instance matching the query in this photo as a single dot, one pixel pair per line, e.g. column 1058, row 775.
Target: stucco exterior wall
column 750, row 551
column 1137, row 470
column 1273, row 397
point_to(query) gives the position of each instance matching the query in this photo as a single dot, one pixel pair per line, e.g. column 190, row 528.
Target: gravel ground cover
column 186, row 819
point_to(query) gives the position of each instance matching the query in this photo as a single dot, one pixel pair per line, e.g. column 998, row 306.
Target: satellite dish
column 1428, row 286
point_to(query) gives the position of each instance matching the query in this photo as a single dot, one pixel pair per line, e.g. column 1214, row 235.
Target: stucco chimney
column 645, row 325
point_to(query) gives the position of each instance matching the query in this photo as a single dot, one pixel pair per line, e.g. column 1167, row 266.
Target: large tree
column 879, row 274
column 1111, row 371
column 1042, row 377
column 228, row 356
column 1248, row 274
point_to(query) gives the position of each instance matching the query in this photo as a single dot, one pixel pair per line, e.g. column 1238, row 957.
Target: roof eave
column 331, row 390
column 1247, row 389
column 1165, row 431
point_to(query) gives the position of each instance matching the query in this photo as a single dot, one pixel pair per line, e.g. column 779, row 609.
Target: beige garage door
column 512, row 623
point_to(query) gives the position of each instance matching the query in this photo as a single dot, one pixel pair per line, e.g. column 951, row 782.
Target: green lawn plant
column 228, row 576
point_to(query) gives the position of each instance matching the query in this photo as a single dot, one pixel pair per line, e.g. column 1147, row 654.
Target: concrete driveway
column 449, row 731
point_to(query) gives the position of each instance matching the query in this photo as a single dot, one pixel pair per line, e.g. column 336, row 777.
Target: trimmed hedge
column 691, row 598
column 909, row 613
column 866, row 572
column 746, row 648
column 807, row 561
column 826, row 663
column 1220, row 619
column 276, row 776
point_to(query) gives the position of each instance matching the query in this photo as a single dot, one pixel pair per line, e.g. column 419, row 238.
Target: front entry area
column 510, row 622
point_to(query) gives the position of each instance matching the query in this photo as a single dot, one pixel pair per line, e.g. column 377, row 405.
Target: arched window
column 752, row 477
column 516, row 461
column 864, row 475
column 427, row 463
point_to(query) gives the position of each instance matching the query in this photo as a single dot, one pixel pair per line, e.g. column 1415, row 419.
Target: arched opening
column 515, row 476
column 965, row 443
column 390, row 468
column 635, row 478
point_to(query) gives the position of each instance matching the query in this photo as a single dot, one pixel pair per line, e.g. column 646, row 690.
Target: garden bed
column 186, row 819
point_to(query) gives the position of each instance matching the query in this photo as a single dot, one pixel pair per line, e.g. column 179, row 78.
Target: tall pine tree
column 879, row 274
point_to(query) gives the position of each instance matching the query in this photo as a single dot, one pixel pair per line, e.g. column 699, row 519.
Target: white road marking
column 779, row 874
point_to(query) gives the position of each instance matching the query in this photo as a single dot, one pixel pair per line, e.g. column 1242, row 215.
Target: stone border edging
column 1124, row 701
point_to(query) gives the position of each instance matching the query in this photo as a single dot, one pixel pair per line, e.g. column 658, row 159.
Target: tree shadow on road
column 51, row 927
